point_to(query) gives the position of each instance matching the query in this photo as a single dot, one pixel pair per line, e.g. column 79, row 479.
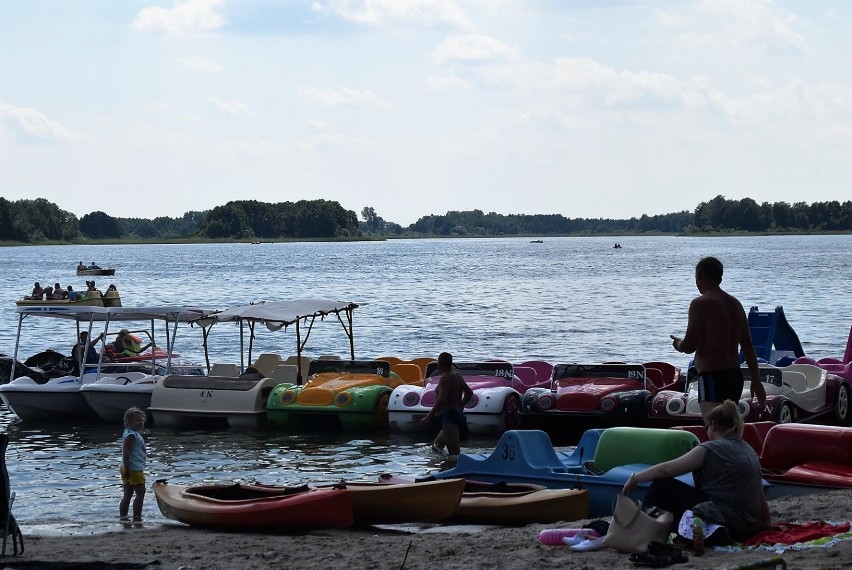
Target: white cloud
column 392, row 12
column 474, row 48
column 231, row 107
column 35, row 123
column 340, row 95
column 200, row 64
column 755, row 25
column 185, row 17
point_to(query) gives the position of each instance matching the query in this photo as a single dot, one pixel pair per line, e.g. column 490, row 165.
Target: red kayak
column 257, row 507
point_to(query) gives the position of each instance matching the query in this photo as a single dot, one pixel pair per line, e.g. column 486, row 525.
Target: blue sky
column 417, row 107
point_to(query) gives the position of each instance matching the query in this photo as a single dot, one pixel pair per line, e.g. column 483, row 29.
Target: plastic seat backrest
column 625, row 445
column 422, row 362
column 224, row 369
column 329, row 357
column 526, row 375
column 285, row 373
column 543, row 370
column 409, row 373
column 390, row 359
column 754, row 434
column 306, row 364
column 654, row 377
column 266, row 363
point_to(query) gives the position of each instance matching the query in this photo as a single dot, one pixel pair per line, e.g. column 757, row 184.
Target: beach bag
column 632, row 529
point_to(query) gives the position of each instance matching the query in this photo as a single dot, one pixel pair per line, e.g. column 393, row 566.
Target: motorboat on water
column 239, row 398
column 111, row 387
column 94, row 269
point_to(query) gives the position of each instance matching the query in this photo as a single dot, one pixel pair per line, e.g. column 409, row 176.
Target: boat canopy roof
column 277, row 314
column 91, row 313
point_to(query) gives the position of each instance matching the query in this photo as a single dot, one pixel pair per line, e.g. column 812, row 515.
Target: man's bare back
column 716, row 331
column 717, row 321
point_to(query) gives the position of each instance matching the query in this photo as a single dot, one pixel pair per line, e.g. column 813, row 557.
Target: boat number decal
column 503, row 373
column 635, row 374
column 508, row 452
column 205, row 394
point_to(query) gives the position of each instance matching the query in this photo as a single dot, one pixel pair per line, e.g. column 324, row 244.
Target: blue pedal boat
column 601, row 462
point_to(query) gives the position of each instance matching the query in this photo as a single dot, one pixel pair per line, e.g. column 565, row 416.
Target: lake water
column 566, row 299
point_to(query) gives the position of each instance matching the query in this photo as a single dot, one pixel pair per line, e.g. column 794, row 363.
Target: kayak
column 251, row 506
column 403, row 502
column 519, row 504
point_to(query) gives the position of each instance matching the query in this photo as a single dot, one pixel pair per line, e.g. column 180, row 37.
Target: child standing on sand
column 133, row 464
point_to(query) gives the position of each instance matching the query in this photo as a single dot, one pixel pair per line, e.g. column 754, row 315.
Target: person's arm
column 690, row 461
column 126, row 450
column 440, row 401
column 756, row 385
column 689, row 343
column 467, row 392
column 94, row 342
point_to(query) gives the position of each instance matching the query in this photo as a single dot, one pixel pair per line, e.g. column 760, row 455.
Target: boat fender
column 562, row 536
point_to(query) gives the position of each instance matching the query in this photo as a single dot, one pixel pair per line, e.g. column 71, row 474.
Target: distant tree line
column 41, row 221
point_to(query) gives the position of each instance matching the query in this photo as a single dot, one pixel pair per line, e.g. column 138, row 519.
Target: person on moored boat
column 37, row 294
column 81, row 267
column 84, row 352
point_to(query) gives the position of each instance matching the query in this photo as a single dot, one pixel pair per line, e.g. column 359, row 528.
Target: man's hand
column 757, row 389
column 675, row 342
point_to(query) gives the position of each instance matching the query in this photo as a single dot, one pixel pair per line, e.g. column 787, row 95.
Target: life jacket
column 132, row 344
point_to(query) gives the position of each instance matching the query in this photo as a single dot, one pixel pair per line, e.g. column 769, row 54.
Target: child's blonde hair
column 132, row 412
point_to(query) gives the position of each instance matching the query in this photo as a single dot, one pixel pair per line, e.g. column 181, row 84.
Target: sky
column 585, row 108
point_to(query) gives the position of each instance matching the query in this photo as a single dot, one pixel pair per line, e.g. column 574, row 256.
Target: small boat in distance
column 94, row 269
column 536, row 241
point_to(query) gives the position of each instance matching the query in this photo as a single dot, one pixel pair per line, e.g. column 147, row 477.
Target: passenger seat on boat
column 224, row 369
column 409, row 373
column 285, row 374
column 305, row 365
column 528, row 377
column 266, row 363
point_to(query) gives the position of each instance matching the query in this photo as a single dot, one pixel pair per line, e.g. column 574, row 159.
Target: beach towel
column 795, row 536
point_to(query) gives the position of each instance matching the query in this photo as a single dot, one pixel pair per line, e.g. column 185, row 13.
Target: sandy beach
column 177, row 546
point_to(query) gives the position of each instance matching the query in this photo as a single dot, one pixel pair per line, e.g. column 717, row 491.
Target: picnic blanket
column 795, row 536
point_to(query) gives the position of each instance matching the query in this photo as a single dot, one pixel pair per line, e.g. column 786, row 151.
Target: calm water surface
column 567, row 299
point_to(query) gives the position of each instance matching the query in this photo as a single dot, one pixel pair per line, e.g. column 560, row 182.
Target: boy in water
column 133, row 464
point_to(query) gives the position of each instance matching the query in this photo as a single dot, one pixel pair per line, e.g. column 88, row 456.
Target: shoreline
column 177, row 546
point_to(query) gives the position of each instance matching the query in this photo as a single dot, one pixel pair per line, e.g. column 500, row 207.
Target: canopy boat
column 601, row 462
column 258, row 507
column 93, row 298
column 236, row 398
column 403, row 501
column 114, row 386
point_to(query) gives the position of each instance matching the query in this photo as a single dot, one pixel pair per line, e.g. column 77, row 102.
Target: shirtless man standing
column 716, row 329
column 452, row 393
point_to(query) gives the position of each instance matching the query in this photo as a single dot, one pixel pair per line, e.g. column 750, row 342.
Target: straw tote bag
column 632, row 528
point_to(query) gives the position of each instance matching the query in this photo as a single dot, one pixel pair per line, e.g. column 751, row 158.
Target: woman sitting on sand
column 728, row 485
